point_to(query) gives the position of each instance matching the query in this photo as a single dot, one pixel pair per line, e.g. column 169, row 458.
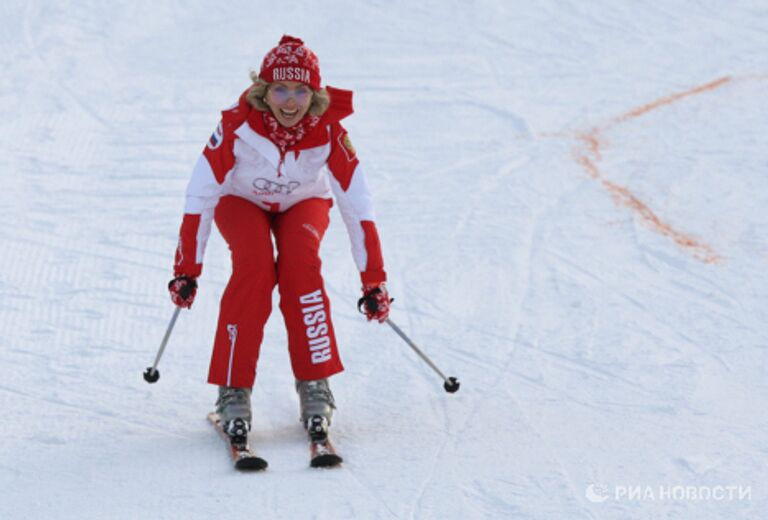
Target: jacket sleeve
column 203, row 193
column 356, row 205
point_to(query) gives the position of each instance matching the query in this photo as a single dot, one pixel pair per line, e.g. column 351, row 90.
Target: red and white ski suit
column 242, row 182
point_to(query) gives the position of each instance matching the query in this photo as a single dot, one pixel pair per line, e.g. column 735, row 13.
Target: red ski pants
column 247, row 301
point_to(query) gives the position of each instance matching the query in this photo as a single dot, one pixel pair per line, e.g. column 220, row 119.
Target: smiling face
column 289, row 101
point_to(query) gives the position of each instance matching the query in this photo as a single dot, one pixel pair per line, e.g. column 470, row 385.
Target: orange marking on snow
column 592, row 141
column 592, row 154
column 668, row 100
column 624, row 197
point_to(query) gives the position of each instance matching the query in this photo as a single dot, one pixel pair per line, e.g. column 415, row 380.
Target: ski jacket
column 239, row 159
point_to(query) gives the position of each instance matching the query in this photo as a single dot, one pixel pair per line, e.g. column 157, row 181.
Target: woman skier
column 270, row 169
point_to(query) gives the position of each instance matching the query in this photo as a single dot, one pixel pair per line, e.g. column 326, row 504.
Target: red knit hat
column 291, row 60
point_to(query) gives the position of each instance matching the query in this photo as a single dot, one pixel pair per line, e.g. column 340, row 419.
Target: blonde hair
column 320, row 98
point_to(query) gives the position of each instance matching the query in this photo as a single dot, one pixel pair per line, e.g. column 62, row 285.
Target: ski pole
column 151, row 374
column 451, row 384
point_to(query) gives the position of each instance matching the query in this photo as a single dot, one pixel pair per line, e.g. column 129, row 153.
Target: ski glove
column 375, row 302
column 183, row 289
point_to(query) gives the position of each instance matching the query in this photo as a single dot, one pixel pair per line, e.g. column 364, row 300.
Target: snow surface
column 572, row 202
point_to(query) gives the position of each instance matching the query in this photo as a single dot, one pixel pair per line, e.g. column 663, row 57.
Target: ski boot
column 234, row 409
column 317, row 406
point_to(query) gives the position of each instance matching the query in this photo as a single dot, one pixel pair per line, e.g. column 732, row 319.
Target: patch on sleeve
column 217, row 137
column 346, row 145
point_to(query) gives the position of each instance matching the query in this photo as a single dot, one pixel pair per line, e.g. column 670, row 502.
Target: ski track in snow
column 571, row 199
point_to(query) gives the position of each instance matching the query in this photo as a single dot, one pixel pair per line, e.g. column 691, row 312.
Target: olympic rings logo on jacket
column 268, row 187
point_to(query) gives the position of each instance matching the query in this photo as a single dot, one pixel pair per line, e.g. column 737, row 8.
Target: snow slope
column 572, row 201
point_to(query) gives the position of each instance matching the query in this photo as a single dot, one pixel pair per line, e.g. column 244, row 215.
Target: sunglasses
column 282, row 94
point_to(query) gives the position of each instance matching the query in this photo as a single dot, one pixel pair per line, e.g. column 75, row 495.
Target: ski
column 322, row 452
column 243, row 456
